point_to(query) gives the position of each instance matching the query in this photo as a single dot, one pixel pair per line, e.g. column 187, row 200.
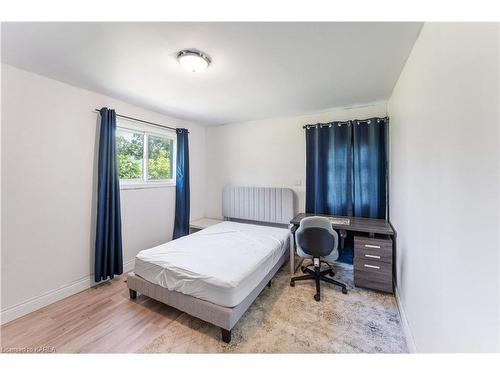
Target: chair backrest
column 316, row 237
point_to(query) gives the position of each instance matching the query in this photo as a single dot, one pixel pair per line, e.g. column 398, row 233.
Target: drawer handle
column 370, row 266
column 372, row 256
column 373, row 246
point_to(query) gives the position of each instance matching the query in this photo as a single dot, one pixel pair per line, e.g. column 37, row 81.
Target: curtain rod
column 329, row 124
column 143, row 121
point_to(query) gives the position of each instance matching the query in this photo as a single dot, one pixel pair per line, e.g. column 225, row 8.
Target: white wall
column 49, row 136
column 269, row 152
column 444, row 190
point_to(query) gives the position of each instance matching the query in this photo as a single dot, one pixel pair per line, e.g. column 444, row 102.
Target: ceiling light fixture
column 193, row 60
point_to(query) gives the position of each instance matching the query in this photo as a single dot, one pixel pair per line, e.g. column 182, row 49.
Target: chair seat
column 332, row 257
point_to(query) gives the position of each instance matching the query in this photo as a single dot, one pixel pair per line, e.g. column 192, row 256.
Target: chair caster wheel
column 292, row 283
column 331, row 274
column 344, row 290
column 316, row 297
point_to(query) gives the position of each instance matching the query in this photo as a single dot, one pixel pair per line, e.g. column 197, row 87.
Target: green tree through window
column 159, row 158
column 130, row 151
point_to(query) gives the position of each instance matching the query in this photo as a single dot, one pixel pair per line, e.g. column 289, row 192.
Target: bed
column 216, row 274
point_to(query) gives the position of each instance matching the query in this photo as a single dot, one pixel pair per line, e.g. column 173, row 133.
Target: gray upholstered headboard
column 269, row 205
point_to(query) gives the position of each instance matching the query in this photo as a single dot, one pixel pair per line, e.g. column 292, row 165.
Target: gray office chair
column 316, row 239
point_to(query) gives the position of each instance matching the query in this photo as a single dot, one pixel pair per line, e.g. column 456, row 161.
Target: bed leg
column 132, row 293
column 269, row 284
column 226, row 335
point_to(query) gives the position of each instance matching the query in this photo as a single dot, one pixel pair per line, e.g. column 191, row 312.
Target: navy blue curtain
column 181, row 223
column 370, row 168
column 108, row 241
column 328, row 169
column 346, row 168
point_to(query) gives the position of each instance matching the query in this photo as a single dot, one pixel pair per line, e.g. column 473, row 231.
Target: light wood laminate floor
column 100, row 319
column 281, row 320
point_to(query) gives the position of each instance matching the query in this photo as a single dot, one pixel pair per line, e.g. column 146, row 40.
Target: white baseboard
column 410, row 341
column 13, row 312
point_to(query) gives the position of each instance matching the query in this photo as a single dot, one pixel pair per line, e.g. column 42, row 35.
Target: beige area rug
column 288, row 320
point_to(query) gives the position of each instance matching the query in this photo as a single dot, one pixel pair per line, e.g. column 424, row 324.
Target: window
column 130, row 154
column 159, row 157
column 145, row 158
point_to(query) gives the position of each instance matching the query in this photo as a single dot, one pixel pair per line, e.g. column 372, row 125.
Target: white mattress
column 220, row 264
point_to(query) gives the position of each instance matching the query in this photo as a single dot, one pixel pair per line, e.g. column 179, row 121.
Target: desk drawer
column 373, row 274
column 377, row 255
column 374, row 249
column 372, row 280
column 379, row 268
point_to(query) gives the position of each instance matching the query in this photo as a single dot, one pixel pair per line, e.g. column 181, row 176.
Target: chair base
column 318, row 276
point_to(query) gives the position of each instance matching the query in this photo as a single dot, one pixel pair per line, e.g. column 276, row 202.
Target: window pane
column 160, row 158
column 129, row 152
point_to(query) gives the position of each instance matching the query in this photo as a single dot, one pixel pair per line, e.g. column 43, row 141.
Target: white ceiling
column 258, row 70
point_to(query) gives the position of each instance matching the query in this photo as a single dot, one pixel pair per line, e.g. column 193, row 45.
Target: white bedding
column 220, row 264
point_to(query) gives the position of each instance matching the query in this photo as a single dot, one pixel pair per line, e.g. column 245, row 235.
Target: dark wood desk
column 356, row 224
column 377, row 232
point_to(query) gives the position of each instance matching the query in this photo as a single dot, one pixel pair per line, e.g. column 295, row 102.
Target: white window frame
column 144, row 183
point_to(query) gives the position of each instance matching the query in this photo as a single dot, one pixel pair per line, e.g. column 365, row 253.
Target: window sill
column 150, row 185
